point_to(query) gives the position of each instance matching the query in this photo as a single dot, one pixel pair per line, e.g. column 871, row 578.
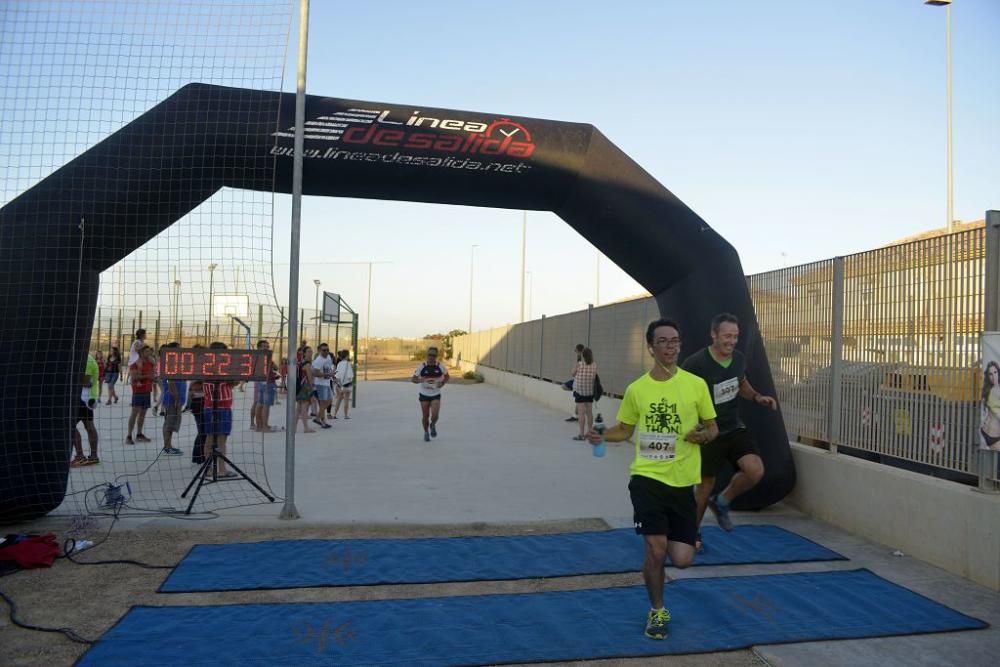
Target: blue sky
column 798, row 130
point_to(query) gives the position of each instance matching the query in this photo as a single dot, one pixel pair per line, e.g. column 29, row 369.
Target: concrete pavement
column 501, row 459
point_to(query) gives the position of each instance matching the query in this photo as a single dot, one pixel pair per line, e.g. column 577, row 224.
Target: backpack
column 598, row 389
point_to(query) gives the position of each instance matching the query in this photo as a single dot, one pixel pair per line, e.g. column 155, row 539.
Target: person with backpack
column 584, row 377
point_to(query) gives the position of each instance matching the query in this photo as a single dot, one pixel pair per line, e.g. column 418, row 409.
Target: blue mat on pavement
column 709, row 614
column 314, row 563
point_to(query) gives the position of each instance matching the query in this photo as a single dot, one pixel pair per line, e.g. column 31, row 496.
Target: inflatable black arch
column 156, row 169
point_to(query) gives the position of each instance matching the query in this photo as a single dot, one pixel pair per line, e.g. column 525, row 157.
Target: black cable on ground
column 70, row 634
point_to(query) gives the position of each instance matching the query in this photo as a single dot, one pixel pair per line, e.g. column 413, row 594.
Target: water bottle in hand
column 599, row 427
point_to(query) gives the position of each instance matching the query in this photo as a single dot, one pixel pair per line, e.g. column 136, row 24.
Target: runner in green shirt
column 670, row 413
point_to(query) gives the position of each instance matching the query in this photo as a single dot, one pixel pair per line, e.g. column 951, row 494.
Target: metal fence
column 877, row 351
column 116, row 327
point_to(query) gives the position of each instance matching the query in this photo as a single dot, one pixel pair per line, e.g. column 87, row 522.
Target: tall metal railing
column 877, row 351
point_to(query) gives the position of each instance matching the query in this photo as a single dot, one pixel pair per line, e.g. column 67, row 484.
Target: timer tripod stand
column 211, row 468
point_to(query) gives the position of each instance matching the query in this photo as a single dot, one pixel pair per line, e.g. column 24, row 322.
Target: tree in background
column 448, row 340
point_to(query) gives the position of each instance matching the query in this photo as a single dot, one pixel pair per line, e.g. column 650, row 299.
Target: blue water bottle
column 599, row 427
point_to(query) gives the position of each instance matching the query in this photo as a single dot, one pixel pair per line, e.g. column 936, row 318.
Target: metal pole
column 354, row 354
column 524, row 246
column 211, row 289
column 991, row 322
column 597, row 293
column 97, row 345
column 531, row 292
column 472, row 265
column 289, row 511
column 951, row 213
column 836, row 356
column 281, row 341
column 319, row 331
column 368, row 320
column 541, row 348
column 590, row 320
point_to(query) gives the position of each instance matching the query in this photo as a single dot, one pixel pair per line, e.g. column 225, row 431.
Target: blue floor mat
column 312, row 563
column 709, row 614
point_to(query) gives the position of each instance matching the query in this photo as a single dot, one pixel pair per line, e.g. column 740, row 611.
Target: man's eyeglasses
column 667, row 342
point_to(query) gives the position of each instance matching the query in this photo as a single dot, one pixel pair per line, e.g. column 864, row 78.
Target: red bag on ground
column 32, row 551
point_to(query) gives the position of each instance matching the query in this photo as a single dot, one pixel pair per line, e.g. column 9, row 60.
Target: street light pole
column 211, row 289
column 524, row 246
column 597, row 295
column 472, row 266
column 317, row 282
column 531, row 292
column 368, row 320
column 950, row 226
column 177, row 299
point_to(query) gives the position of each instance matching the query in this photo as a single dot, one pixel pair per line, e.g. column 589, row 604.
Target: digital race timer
column 178, row 363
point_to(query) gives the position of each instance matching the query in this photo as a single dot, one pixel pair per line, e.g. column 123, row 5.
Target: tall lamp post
column 211, row 289
column 319, row 319
column 597, row 276
column 947, row 7
column 472, row 267
column 524, row 247
column 177, row 299
column 531, row 292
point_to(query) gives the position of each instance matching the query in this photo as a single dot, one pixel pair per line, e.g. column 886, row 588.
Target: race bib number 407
column 658, row 446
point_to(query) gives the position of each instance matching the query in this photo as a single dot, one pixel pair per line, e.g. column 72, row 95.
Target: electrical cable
column 69, row 633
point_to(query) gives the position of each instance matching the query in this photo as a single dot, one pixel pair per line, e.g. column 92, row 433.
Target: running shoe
column 142, row 438
column 427, row 436
column 172, row 451
column 656, row 624
column 721, row 511
column 572, row 419
column 129, row 441
column 434, row 431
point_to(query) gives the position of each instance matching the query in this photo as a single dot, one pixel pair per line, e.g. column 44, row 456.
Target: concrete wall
column 943, row 523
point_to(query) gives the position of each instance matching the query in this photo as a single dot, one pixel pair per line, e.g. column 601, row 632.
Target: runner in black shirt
column 723, row 368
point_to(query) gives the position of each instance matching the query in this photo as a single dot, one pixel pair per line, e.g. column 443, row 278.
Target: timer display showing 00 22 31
column 208, row 364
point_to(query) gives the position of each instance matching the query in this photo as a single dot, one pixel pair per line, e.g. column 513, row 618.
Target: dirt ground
column 90, row 599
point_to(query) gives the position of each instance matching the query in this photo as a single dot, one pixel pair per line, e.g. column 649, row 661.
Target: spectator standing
column 344, row 378
column 568, row 384
column 304, row 387
column 112, row 370
column 583, row 391
column 141, row 376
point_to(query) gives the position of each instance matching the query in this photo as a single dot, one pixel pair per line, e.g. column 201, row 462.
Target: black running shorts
column 661, row 509
column 730, row 447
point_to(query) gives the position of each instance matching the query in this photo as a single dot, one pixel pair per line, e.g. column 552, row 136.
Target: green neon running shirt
column 667, row 409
